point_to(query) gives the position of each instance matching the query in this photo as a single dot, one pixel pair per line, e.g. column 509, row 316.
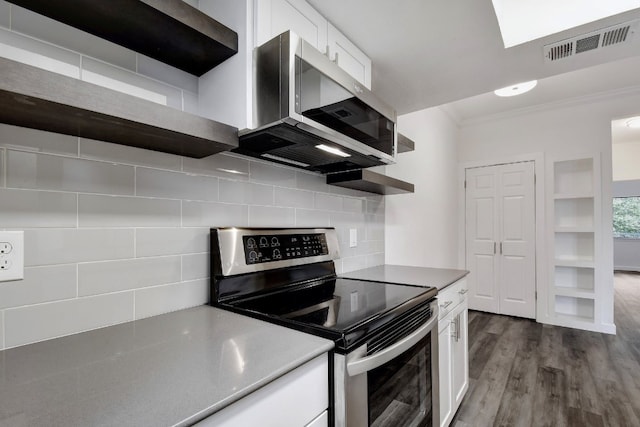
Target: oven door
column 395, row 386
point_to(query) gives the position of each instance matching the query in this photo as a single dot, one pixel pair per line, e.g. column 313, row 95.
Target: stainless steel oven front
column 390, row 382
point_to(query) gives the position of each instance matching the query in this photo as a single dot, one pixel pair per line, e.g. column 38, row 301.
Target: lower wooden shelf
column 372, row 182
column 34, row 98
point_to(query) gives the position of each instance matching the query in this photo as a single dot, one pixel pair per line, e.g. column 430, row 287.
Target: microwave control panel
column 269, row 247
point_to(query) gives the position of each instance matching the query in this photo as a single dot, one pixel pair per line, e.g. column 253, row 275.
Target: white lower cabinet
column 297, row 399
column 453, row 350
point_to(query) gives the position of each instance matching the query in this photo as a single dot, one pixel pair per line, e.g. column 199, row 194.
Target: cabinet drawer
column 294, row 400
column 451, row 296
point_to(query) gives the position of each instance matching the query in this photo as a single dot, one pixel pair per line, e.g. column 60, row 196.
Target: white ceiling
column 432, row 52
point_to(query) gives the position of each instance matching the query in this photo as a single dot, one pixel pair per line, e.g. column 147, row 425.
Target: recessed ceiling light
column 633, row 123
column 333, row 150
column 517, row 89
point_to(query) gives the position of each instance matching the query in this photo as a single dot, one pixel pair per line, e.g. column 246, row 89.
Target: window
column 626, row 217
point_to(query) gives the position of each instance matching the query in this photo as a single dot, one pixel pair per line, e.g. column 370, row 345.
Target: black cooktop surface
column 345, row 310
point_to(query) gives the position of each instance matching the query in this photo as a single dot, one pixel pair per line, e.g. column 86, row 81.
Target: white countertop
column 172, row 369
column 417, row 276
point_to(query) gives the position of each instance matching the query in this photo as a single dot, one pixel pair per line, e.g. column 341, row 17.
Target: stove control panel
column 269, row 247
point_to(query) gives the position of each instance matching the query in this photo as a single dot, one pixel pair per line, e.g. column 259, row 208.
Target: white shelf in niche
column 574, row 229
column 582, row 309
column 574, row 246
column 573, row 177
column 575, row 293
column 574, row 213
column 575, row 262
column 580, row 279
column 567, row 196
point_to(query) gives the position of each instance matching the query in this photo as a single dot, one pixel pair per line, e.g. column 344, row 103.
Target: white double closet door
column 500, row 238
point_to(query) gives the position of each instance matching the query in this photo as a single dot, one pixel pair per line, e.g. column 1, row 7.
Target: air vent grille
column 618, row 34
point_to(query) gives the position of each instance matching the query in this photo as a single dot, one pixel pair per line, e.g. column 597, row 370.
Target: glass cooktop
column 341, row 309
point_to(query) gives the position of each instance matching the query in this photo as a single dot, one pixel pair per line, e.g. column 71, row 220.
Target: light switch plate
column 353, row 237
column 11, row 255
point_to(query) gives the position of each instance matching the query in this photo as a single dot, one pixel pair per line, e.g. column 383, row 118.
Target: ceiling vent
column 617, row 34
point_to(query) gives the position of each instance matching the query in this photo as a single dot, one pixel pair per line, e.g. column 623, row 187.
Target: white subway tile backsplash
column 269, row 174
column 33, row 209
column 64, row 246
column 195, row 266
column 117, row 211
column 1, row 331
column 47, row 172
column 353, row 205
column 375, row 227
column 173, row 185
column 223, row 165
column 313, row 182
column 190, row 103
column 37, row 140
column 99, row 150
column 40, row 284
column 375, row 259
column 289, row 197
column 375, row 205
column 245, row 193
column 328, row 202
column 38, row 54
column 2, row 166
column 268, row 216
column 124, row 81
column 311, row 218
column 171, row 241
column 353, row 263
column 113, row 276
column 166, row 73
column 43, row 28
column 206, row 214
column 163, row 299
column 25, row 325
column 5, row 21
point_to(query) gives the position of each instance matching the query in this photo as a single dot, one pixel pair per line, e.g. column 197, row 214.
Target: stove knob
column 276, row 254
column 264, row 242
column 274, row 241
column 251, row 243
column 253, row 256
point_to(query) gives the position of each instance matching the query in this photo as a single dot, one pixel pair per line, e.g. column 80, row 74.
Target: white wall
column 114, row 233
column 564, row 130
column 625, row 161
column 422, row 228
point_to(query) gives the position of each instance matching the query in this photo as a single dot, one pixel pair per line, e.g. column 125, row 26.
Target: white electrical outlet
column 11, row 255
column 353, row 237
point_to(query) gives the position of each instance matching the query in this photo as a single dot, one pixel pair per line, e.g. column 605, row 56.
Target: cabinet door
column 446, row 377
column 348, row 56
column 273, row 17
column 460, row 355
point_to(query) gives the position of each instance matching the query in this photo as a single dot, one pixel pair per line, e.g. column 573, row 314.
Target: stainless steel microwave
column 311, row 114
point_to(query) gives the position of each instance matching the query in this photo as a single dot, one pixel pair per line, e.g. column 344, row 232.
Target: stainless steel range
column 385, row 362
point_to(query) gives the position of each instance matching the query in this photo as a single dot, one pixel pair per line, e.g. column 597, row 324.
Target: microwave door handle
column 368, row 363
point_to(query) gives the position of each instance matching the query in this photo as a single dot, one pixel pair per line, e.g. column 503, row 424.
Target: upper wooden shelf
column 35, row 98
column 170, row 31
column 405, row 144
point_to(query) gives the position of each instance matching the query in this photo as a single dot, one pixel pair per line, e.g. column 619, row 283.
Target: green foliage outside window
column 626, row 217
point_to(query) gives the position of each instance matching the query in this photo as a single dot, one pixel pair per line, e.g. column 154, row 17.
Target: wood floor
column 524, row 373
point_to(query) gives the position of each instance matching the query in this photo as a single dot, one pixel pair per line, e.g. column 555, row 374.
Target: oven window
column 326, row 102
column 400, row 391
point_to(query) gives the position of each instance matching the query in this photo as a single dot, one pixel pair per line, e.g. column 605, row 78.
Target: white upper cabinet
column 273, row 17
column 348, row 56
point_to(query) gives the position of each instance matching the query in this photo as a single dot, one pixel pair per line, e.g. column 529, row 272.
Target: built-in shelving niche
column 35, row 98
column 170, row 31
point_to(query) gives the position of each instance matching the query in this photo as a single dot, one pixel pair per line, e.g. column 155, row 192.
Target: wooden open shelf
column 371, row 182
column 170, row 31
column 35, row 98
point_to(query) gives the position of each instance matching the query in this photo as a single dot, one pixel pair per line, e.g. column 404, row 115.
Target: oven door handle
column 368, row 363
